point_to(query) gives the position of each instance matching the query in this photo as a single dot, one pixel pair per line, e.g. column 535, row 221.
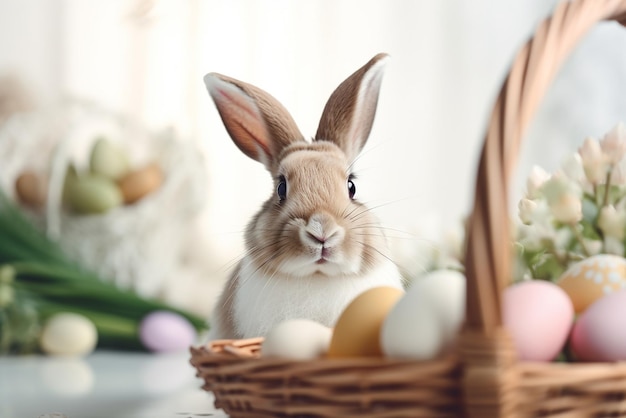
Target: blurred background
column 145, row 59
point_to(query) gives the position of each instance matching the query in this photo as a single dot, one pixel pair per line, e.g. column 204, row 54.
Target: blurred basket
column 484, row 378
column 138, row 246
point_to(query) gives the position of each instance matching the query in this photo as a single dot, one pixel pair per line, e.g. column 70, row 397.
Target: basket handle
column 487, row 257
column 485, row 348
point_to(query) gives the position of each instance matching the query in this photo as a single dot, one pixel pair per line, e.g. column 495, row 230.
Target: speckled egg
column 590, row 279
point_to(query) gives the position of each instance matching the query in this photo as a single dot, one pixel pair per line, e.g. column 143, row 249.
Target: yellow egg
column 357, row 332
column 590, row 279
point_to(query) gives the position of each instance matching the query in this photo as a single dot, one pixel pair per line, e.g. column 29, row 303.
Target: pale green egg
column 108, row 160
column 93, row 194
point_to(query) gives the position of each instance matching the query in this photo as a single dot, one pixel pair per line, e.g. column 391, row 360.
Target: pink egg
column 600, row 332
column 165, row 331
column 538, row 315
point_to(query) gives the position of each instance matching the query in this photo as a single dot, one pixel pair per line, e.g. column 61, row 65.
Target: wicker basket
column 483, row 379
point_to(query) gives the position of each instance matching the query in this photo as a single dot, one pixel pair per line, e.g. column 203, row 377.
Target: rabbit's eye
column 351, row 188
column 281, row 190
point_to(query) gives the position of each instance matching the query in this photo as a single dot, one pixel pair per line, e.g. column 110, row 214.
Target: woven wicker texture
column 484, row 379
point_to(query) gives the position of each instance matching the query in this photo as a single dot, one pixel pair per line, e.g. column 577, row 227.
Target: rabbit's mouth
column 325, row 254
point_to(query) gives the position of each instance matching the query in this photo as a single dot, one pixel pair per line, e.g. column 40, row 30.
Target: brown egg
column 137, row 184
column 31, row 189
column 357, row 332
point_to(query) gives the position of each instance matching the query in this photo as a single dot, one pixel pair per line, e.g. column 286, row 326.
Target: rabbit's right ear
column 258, row 123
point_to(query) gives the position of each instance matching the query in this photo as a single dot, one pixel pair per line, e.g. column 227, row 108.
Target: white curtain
column 147, row 58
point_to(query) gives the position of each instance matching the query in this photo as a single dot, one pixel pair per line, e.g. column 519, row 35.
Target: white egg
column 425, row 322
column 298, row 339
column 68, row 334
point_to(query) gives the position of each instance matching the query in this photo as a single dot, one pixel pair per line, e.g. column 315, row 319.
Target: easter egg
column 166, row 331
column 538, row 315
column 425, row 322
column 137, row 184
column 108, row 160
column 599, row 333
column 298, row 339
column 590, row 279
column 68, row 334
column 31, row 189
column 92, row 194
column 357, row 332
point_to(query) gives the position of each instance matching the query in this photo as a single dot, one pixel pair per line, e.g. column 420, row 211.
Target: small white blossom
column 614, row 144
column 614, row 246
column 568, row 209
column 564, row 198
column 562, row 237
column 527, row 210
column 572, row 167
column 595, row 161
column 593, row 246
column 612, row 222
column 538, row 176
column 618, row 176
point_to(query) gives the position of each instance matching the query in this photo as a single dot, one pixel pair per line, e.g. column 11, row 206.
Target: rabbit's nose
column 322, row 229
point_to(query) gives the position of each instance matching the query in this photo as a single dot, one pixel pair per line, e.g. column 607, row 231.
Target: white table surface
column 104, row 384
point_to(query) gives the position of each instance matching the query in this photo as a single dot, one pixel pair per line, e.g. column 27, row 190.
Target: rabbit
column 312, row 247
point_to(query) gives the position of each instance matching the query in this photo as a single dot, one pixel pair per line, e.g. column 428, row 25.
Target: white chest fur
column 261, row 302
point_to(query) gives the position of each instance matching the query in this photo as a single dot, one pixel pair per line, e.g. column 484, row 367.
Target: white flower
column 527, row 209
column 572, row 167
column 568, row 209
column 564, row 198
column 562, row 237
column 612, row 222
column 618, row 176
column 538, row 176
column 593, row 246
column 614, row 144
column 613, row 245
column 595, row 161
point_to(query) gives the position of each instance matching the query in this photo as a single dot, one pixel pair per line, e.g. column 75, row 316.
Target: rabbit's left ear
column 349, row 113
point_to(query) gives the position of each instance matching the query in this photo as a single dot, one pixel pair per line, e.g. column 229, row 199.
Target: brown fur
column 316, row 175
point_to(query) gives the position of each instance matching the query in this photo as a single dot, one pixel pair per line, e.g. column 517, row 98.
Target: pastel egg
column 109, row 160
column 357, row 332
column 298, row 339
column 92, row 194
column 590, row 279
column 137, row 184
column 31, row 189
column 538, row 315
column 425, row 322
column 68, row 334
column 165, row 331
column 600, row 332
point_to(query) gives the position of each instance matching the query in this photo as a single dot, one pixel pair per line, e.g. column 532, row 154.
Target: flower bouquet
column 578, row 211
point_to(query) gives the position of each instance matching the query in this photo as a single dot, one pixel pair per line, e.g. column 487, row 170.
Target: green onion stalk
column 37, row 280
